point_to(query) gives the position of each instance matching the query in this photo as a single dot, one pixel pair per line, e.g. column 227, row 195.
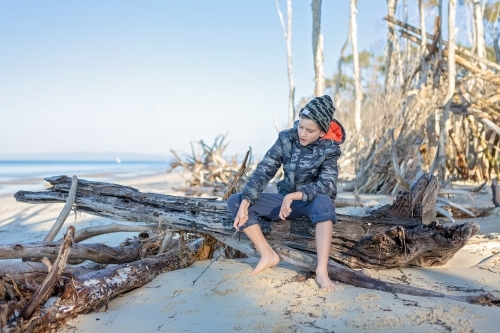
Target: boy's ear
column 322, row 134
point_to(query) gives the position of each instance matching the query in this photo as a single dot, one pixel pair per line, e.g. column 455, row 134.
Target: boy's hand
column 286, row 209
column 242, row 215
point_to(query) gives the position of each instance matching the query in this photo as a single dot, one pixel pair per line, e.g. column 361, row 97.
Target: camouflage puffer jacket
column 311, row 169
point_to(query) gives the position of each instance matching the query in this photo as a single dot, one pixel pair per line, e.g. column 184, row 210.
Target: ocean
column 29, row 175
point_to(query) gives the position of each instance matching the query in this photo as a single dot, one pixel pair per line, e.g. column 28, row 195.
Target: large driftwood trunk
column 402, row 234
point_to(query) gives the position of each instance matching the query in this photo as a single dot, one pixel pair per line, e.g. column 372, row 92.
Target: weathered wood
column 165, row 243
column 496, row 192
column 99, row 253
column 55, row 273
column 397, row 235
column 241, row 171
column 35, row 271
column 90, row 232
column 344, row 274
column 88, row 293
column 459, row 49
column 64, row 213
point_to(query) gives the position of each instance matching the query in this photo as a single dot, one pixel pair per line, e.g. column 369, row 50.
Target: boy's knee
column 323, row 209
column 323, row 201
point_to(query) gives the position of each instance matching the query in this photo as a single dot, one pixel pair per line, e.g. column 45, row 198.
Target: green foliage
column 491, row 11
column 365, row 59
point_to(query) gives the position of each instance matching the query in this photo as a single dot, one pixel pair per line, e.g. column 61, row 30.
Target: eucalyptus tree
column 357, row 75
column 317, row 39
column 391, row 44
column 445, row 118
column 287, row 30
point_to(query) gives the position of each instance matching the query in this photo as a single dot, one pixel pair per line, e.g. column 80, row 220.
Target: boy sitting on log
column 308, row 152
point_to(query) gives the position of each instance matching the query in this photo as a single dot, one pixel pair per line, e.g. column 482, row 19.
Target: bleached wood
column 54, row 274
column 358, row 94
column 355, row 242
column 317, row 42
column 64, row 213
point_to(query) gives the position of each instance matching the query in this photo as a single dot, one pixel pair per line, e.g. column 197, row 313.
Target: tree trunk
column 397, row 235
column 389, row 51
column 317, row 38
column 357, row 74
column 445, row 118
column 287, row 31
column 423, row 45
column 479, row 30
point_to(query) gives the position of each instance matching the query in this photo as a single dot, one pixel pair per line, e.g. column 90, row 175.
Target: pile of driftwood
column 38, row 296
column 472, row 150
column 208, row 171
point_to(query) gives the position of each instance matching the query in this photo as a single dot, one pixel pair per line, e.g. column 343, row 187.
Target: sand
column 227, row 299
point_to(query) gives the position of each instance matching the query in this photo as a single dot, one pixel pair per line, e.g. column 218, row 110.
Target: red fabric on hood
column 335, row 132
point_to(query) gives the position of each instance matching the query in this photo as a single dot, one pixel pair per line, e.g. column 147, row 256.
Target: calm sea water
column 31, row 173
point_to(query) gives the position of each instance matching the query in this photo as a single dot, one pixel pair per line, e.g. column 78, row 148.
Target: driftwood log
column 403, row 234
column 98, row 253
column 89, row 292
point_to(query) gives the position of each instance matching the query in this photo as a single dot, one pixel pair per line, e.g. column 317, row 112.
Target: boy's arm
column 327, row 179
column 265, row 171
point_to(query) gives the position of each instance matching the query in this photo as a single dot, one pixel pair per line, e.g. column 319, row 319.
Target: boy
column 308, row 153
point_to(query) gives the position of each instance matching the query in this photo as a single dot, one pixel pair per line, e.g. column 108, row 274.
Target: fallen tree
column 399, row 235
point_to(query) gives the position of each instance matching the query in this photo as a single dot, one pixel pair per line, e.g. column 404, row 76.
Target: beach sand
column 227, row 299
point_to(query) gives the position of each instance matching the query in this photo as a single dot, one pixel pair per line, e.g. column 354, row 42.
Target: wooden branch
column 343, row 274
column 232, row 187
column 90, row 232
column 64, row 213
column 165, row 243
column 445, row 213
column 23, row 271
column 99, row 253
column 452, row 204
column 496, row 192
column 54, row 275
column 459, row 49
column 459, row 60
column 394, row 235
column 88, row 293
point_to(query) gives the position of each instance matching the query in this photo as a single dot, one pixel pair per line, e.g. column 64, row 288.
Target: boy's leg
column 321, row 211
column 267, row 205
column 268, row 258
column 323, row 241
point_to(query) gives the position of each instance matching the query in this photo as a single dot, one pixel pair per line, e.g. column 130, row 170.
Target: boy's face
column 308, row 131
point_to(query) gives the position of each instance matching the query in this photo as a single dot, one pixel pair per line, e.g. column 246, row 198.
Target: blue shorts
column 268, row 205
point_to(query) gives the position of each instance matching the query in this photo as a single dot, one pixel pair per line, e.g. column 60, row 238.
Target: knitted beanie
column 320, row 110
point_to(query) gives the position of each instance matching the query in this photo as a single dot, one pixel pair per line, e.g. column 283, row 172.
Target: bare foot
column 324, row 282
column 266, row 261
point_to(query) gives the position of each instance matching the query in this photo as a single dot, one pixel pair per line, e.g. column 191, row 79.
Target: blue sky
column 150, row 76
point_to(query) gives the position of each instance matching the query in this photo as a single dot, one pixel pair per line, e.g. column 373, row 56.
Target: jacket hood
column 336, row 132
